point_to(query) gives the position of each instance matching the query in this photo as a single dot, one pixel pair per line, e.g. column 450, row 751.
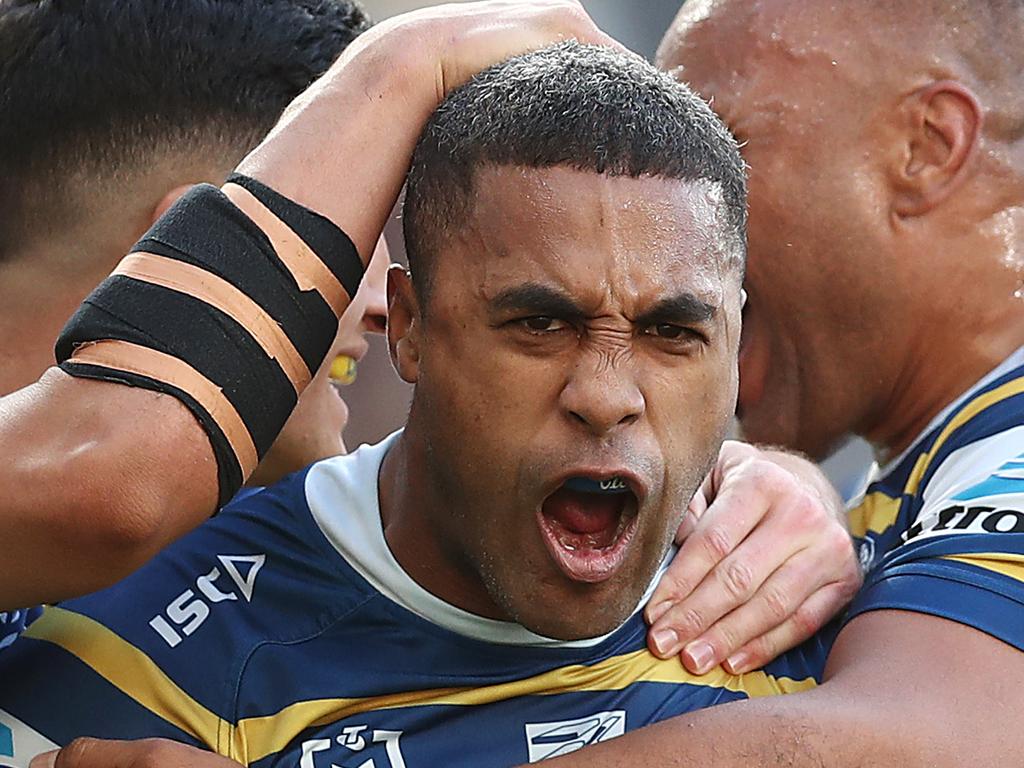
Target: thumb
column 44, row 760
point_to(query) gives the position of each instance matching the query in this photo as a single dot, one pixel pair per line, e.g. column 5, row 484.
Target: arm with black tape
column 216, row 322
column 178, row 372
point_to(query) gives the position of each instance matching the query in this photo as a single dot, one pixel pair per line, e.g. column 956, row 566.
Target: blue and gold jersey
column 942, row 528
column 283, row 633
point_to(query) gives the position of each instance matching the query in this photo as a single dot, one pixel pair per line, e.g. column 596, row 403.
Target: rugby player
column 889, row 180
column 767, row 510
column 886, row 188
column 467, row 591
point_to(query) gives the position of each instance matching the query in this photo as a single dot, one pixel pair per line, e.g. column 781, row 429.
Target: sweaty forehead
column 763, row 57
column 594, row 234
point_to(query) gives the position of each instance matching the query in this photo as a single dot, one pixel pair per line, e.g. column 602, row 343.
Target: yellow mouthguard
column 343, row 369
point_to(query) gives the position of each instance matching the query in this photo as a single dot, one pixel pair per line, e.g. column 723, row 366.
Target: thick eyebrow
column 537, row 299
column 682, row 309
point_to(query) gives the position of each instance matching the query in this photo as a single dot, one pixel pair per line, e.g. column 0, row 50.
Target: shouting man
column 470, row 589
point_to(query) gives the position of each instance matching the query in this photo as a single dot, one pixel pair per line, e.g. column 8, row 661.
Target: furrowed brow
column 536, row 299
column 682, row 309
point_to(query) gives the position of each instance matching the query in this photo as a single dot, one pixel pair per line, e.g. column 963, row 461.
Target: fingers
column 742, row 582
column 490, row 32
column 732, row 587
column 789, row 605
column 813, row 614
column 580, row 26
column 722, row 528
column 772, row 605
column 145, row 753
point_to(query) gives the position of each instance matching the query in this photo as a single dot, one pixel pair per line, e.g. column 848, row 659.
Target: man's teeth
column 588, row 485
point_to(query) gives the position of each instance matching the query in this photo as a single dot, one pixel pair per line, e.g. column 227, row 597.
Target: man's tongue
column 593, row 517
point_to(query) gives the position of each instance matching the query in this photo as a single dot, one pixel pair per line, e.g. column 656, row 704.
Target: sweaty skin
column 883, row 281
column 605, row 346
column 851, row 141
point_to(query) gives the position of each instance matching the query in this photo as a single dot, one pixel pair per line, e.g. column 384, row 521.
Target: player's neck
column 945, row 363
column 410, row 508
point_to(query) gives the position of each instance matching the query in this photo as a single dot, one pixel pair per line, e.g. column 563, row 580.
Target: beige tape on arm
column 213, row 290
column 310, row 273
column 143, row 361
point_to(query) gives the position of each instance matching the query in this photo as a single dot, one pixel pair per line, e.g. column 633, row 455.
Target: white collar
column 343, row 499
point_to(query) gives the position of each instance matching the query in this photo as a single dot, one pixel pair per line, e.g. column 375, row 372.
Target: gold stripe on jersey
column 876, row 513
column 130, row 670
column 137, row 676
column 1000, row 562
column 975, row 407
column 258, row 737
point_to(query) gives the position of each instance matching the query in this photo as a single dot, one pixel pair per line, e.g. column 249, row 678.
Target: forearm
column 888, row 699
column 808, row 730
column 96, row 478
column 372, row 104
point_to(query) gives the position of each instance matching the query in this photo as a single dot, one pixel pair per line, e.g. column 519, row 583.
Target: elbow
column 127, row 530
column 111, row 532
column 121, row 513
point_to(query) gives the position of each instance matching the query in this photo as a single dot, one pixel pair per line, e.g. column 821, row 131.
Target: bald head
column 900, row 44
column 886, row 189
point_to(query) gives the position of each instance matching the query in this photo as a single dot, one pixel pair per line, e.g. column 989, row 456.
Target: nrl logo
column 547, row 740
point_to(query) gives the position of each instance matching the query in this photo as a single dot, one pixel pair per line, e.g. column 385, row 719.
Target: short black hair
column 580, row 106
column 100, row 86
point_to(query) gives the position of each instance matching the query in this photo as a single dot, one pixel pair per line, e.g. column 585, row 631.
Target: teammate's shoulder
column 261, row 570
column 973, row 439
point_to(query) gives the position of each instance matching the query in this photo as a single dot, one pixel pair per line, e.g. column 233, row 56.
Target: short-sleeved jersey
column 942, row 528
column 284, row 633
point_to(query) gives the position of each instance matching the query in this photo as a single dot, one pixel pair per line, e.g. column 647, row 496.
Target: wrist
column 809, row 472
column 400, row 61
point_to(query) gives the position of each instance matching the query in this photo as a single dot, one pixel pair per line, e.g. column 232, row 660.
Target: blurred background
column 380, row 400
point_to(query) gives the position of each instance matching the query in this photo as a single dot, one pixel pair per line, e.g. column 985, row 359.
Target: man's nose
column 603, row 397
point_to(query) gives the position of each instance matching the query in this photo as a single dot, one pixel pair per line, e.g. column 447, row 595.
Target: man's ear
column 944, row 129
column 404, row 324
column 168, row 200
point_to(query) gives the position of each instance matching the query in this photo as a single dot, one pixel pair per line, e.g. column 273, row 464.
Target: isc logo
column 188, row 611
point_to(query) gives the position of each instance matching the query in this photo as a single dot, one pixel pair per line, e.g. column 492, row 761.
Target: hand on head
column 395, row 76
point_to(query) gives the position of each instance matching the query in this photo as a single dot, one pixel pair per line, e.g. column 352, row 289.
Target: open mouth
column 588, row 524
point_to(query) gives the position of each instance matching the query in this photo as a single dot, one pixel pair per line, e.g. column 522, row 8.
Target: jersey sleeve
column 962, row 557
column 161, row 654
